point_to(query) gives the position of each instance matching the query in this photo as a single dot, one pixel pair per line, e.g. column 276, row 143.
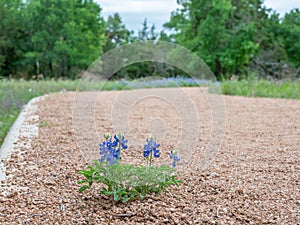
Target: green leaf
column 125, row 199
column 83, row 188
column 82, row 181
column 141, row 196
column 103, row 191
column 116, row 197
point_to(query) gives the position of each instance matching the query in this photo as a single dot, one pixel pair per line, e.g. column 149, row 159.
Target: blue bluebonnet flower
column 111, row 159
column 105, row 150
column 151, row 147
column 174, row 156
column 110, row 150
column 165, row 82
column 120, row 139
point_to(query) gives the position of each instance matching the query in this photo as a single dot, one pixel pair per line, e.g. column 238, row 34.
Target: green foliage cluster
column 238, row 36
column 49, row 38
column 126, row 182
column 53, row 38
column 261, row 88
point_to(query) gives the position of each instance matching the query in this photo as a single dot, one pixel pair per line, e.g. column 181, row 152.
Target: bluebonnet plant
column 110, row 150
column 174, row 156
column 151, row 149
column 127, row 182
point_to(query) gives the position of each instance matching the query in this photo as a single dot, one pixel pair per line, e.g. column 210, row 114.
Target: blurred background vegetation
column 61, row 38
column 46, row 45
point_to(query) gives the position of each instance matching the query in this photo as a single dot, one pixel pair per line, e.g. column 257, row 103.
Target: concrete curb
column 20, row 134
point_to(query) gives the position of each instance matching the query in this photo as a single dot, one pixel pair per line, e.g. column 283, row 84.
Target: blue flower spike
column 150, row 148
column 105, row 149
column 120, row 139
column 110, row 150
column 174, row 156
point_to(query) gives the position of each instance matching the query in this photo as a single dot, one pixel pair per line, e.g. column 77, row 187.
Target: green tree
column 11, row 33
column 147, row 33
column 116, row 33
column 145, row 69
column 140, row 69
column 291, row 36
column 224, row 33
column 271, row 60
column 64, row 37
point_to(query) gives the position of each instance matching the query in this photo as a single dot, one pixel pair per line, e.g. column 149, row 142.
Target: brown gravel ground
column 254, row 178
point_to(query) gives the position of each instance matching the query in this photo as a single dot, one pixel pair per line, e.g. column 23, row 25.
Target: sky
column 133, row 12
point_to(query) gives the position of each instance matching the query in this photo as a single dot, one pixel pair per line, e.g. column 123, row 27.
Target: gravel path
column 254, row 178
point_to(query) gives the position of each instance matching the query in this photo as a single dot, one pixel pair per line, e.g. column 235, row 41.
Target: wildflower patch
column 126, row 182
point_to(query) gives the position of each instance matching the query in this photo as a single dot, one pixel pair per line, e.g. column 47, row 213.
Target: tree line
column 61, row 38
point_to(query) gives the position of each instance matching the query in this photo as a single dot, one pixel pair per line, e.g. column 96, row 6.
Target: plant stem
column 151, row 158
column 119, row 149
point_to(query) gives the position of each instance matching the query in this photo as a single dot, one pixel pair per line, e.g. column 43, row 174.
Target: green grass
column 262, row 88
